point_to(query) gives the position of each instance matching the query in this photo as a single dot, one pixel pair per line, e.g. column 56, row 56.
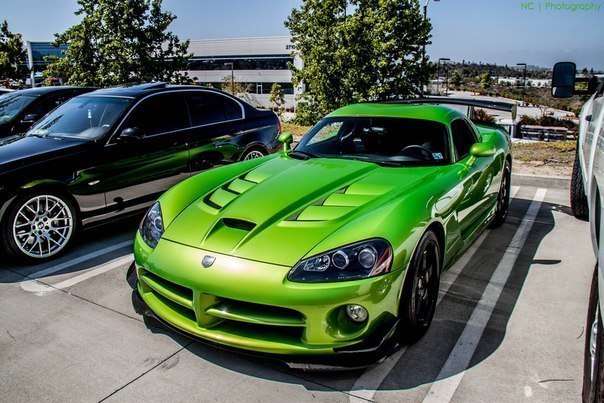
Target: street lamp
column 441, row 59
column 232, row 76
column 424, row 47
column 523, row 83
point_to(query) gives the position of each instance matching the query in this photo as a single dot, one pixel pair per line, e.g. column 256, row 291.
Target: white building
column 254, row 62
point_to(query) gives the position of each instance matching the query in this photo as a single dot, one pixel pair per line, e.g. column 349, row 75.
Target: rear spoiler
column 472, row 103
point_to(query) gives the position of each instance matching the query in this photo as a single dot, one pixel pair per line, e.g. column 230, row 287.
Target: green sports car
column 332, row 249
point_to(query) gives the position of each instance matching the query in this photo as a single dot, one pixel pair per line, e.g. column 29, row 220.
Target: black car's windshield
column 384, row 141
column 83, row 117
column 13, row 103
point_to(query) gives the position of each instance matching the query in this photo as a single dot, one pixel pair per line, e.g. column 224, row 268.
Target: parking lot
column 510, row 326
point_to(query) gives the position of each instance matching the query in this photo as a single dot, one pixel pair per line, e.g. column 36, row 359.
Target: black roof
column 39, row 91
column 135, row 91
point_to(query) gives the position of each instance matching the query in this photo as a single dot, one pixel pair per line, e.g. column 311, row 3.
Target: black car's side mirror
column 30, row 118
column 131, row 134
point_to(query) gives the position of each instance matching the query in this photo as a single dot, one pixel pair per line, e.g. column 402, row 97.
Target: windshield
column 84, row 117
column 13, row 103
column 384, row 141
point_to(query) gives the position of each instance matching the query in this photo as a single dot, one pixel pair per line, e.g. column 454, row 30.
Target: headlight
column 152, row 227
column 352, row 262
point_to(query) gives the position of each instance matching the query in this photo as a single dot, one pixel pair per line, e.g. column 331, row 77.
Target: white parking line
column 32, row 285
column 456, row 365
column 41, row 288
column 120, row 261
column 367, row 384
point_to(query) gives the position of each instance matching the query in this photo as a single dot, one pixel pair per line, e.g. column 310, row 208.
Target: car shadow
column 421, row 363
column 87, row 241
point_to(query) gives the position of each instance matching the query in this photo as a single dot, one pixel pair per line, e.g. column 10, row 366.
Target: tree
column 357, row 50
column 485, row 80
column 231, row 85
column 119, row 42
column 277, row 97
column 12, row 54
column 456, row 80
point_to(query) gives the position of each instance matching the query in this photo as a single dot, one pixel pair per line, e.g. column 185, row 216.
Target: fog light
column 357, row 313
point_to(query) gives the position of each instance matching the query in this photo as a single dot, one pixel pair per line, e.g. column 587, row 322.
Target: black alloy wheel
column 420, row 293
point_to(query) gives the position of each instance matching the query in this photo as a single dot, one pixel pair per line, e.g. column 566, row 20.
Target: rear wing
column 471, row 103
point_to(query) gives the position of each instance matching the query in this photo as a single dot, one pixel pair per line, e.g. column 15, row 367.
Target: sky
column 490, row 31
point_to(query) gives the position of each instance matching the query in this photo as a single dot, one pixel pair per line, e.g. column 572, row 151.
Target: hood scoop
column 225, row 194
column 228, row 233
column 339, row 203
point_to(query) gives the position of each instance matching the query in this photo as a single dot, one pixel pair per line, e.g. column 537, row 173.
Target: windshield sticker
column 437, row 156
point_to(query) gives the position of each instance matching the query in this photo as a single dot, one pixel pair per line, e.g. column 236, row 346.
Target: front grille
column 225, row 315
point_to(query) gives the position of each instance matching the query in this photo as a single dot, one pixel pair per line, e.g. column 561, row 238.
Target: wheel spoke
column 47, row 231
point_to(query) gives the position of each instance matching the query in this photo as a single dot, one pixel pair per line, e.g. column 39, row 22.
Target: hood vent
column 238, row 224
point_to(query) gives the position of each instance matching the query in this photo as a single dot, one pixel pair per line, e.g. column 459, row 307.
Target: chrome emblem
column 207, row 261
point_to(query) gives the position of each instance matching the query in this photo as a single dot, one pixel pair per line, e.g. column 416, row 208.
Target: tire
column 420, row 292
column 578, row 199
column 593, row 356
column 253, row 153
column 503, row 198
column 39, row 226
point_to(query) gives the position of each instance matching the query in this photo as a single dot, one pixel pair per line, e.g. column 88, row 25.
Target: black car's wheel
column 578, row 199
column 420, row 292
column 39, row 225
column 252, row 153
column 503, row 198
column 593, row 356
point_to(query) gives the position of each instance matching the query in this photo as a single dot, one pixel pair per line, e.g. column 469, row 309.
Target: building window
column 263, row 62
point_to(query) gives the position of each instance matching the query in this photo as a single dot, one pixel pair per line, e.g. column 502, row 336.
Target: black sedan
column 112, row 152
column 20, row 109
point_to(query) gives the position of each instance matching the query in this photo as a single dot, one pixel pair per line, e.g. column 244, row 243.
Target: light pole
column 523, row 83
column 441, row 59
column 232, row 76
column 424, row 47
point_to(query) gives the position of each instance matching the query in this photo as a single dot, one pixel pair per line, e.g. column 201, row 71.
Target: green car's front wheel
column 420, row 292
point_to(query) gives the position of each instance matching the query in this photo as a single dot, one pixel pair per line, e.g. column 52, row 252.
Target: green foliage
column 486, row 80
column 119, row 42
column 357, row 50
column 231, row 85
column 12, row 54
column 277, row 97
column 456, row 79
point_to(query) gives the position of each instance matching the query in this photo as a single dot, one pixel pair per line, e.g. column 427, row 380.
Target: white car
column 587, row 185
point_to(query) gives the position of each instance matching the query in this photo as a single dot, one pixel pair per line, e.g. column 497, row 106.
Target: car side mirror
column 286, row 138
column 563, row 80
column 30, row 118
column 131, row 134
column 479, row 150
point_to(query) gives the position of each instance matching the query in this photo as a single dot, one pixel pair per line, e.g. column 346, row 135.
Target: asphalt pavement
column 509, row 327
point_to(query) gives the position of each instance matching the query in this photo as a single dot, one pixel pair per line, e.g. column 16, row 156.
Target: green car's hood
column 281, row 209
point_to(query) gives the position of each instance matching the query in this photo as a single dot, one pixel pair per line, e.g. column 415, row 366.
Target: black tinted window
column 159, row 114
column 463, row 138
column 206, row 108
column 49, row 103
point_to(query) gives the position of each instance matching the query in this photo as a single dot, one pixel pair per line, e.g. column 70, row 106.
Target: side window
column 159, row 114
column 49, row 103
column 207, row 108
column 463, row 138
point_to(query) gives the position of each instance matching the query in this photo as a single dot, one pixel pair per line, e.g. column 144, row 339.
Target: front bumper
column 250, row 306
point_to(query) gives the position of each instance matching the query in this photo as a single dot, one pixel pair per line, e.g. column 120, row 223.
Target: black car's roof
column 139, row 90
column 39, row 91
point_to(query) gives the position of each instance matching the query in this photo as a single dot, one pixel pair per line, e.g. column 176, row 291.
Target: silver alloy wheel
column 42, row 226
column 253, row 154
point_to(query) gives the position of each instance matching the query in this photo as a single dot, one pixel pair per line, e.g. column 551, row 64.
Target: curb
column 558, row 182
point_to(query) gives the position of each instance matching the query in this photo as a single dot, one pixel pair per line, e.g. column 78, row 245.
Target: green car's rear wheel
column 420, row 292
column 503, row 198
